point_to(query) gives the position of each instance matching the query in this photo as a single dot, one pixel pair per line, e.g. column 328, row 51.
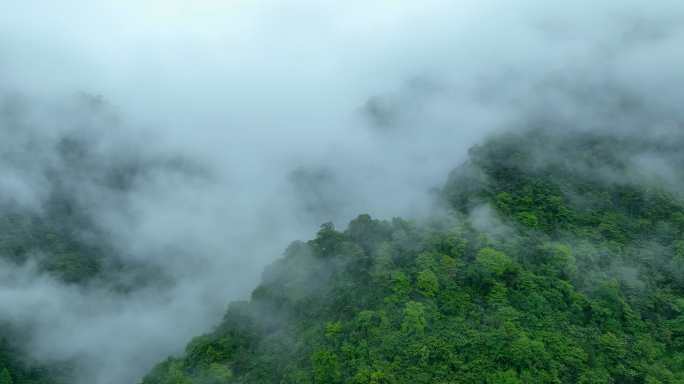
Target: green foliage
column 216, row 374
column 59, row 230
column 333, row 330
column 23, row 369
column 401, row 286
column 577, row 277
column 498, row 293
column 326, row 368
column 427, row 283
column 5, row 377
column 177, row 377
column 414, row 318
column 492, row 262
column 528, row 219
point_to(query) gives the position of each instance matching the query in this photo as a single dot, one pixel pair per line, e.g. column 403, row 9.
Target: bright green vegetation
column 575, row 274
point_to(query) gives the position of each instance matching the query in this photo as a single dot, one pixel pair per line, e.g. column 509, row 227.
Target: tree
column 5, row 377
column 493, row 262
column 216, row 374
column 414, row 317
column 528, row 219
column 427, row 282
column 326, row 240
column 326, row 368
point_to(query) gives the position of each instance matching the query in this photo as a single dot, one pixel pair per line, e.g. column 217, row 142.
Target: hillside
column 49, row 225
column 552, row 257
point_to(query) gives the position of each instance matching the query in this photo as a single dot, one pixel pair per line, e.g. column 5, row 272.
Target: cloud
column 364, row 104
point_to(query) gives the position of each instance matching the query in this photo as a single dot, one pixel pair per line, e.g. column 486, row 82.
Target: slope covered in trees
column 50, row 221
column 559, row 258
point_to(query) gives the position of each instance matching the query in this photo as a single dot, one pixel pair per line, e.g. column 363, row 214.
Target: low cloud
column 228, row 129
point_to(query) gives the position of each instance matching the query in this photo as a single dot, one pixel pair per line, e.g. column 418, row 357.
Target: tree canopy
column 555, row 259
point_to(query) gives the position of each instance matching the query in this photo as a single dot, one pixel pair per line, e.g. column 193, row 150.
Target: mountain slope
column 560, row 260
column 58, row 175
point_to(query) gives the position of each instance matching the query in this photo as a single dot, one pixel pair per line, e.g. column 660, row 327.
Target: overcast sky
column 256, row 89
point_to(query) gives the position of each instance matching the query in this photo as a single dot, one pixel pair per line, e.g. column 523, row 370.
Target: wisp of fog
column 247, row 124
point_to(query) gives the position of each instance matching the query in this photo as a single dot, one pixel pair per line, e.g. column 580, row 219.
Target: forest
column 351, row 192
column 61, row 237
column 551, row 256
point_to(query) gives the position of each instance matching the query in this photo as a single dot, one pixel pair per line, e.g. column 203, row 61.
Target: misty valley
column 341, row 192
column 550, row 256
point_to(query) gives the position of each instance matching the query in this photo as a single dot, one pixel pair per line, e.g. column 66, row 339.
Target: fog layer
column 258, row 121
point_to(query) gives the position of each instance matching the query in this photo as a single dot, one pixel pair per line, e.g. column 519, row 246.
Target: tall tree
column 5, row 377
